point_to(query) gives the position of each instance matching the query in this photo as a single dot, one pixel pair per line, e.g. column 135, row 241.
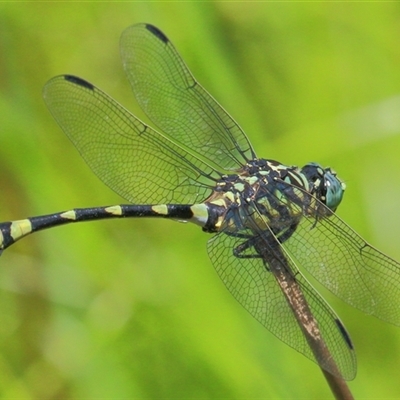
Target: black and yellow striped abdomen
column 12, row 231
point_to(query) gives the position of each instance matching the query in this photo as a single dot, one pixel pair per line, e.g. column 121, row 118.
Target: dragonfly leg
column 237, row 251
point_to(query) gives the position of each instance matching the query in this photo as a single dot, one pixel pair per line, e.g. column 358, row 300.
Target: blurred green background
column 134, row 309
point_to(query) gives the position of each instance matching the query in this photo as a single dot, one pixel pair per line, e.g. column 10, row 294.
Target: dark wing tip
column 156, row 32
column 345, row 334
column 78, row 81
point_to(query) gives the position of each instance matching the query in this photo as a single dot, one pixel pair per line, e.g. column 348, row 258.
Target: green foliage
column 133, row 309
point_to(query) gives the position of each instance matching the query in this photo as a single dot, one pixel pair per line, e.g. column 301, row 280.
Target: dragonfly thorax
column 274, row 194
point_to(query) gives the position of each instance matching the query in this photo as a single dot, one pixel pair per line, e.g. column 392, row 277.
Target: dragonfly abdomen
column 12, row 231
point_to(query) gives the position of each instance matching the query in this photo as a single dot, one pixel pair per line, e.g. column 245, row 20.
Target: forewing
column 175, row 102
column 131, row 158
column 347, row 265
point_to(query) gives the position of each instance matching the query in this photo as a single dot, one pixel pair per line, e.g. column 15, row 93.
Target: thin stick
column 338, row 386
column 308, row 324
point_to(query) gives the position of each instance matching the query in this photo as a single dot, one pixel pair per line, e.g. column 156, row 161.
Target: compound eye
column 334, row 190
column 324, row 184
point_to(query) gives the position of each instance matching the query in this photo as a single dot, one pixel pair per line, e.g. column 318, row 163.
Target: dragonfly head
column 324, row 184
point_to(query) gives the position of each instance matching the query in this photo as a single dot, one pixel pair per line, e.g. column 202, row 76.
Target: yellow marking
column 274, row 167
column 69, row 215
column 252, row 180
column 230, row 196
column 218, row 224
column 219, row 202
column 239, row 187
column 1, row 239
column 298, row 193
column 264, row 201
column 160, row 209
column 200, row 214
column 114, row 210
column 289, row 179
column 20, row 229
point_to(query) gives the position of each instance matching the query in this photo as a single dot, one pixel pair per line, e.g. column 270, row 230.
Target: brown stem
column 309, row 326
column 338, row 386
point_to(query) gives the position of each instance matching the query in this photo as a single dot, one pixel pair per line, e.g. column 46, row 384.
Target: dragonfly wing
column 133, row 159
column 256, row 289
column 347, row 265
column 175, row 102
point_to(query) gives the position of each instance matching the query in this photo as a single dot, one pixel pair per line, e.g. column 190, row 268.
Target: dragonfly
column 268, row 221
